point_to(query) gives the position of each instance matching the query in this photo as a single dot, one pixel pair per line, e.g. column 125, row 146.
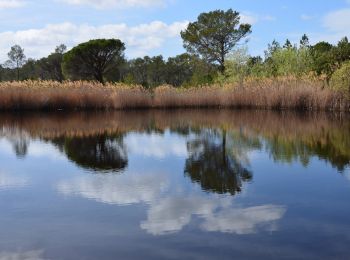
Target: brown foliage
column 280, row 93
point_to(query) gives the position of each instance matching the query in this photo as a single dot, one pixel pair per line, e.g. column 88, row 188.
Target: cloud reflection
column 116, row 189
column 154, row 145
column 170, row 212
column 244, row 220
column 10, row 182
column 217, row 214
column 27, row 255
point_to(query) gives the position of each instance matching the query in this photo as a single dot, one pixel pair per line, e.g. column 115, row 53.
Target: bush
column 341, row 78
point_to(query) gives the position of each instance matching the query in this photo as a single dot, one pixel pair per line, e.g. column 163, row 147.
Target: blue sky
column 151, row 27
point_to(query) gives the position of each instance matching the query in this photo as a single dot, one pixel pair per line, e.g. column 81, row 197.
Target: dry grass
column 283, row 93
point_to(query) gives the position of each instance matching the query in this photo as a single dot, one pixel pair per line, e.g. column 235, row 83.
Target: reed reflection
column 85, row 137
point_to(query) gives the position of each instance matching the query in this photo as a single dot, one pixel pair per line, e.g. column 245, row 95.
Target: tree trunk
column 99, row 77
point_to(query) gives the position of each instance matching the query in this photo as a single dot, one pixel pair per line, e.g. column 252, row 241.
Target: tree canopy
column 93, row 59
column 16, row 58
column 214, row 35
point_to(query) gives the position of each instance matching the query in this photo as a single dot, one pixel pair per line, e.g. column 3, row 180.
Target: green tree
column 214, row 35
column 341, row 78
column 304, row 41
column 236, row 66
column 179, row 70
column 16, row 58
column 341, row 52
column 322, row 58
column 29, row 70
column 288, row 45
column 93, row 59
column 51, row 66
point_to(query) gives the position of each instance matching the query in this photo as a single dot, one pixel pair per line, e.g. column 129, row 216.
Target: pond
column 177, row 184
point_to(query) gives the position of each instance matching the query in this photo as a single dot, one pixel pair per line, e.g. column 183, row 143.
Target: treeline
column 211, row 57
column 184, row 69
column 303, row 59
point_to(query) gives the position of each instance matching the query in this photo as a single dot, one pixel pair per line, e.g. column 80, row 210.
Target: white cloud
column 306, row 17
column 4, row 4
column 338, row 21
column 249, row 18
column 102, row 4
column 139, row 39
column 336, row 25
column 252, row 18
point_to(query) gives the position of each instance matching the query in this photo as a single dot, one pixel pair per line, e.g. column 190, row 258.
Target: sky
column 152, row 27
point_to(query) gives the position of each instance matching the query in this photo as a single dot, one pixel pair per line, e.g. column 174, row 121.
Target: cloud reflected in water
column 154, row 145
column 170, row 213
column 7, row 181
column 27, row 255
column 216, row 214
column 116, row 189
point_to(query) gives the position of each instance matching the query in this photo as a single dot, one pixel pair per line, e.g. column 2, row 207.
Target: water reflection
column 99, row 152
column 217, row 214
column 125, row 179
column 117, row 189
column 287, row 136
column 23, row 255
column 7, row 181
column 213, row 164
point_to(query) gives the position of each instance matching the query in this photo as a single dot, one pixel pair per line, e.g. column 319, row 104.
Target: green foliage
column 182, row 70
column 29, row 70
column 328, row 58
column 51, row 66
column 341, row 78
column 237, row 67
column 148, row 71
column 279, row 61
column 322, row 58
column 291, row 61
column 93, row 59
column 342, row 52
column 214, row 35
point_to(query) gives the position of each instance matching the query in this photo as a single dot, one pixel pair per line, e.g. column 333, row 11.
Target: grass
column 279, row 93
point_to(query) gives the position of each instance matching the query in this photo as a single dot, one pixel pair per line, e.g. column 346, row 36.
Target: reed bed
column 279, row 94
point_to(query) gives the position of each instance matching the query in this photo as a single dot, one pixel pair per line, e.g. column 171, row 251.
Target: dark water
column 175, row 185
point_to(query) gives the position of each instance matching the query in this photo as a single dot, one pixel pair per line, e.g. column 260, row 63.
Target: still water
column 206, row 184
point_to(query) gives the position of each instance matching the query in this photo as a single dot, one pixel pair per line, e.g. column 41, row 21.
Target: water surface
column 180, row 184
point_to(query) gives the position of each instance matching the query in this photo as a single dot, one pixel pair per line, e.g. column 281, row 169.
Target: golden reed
column 279, row 93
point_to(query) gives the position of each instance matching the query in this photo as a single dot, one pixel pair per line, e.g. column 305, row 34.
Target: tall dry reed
column 280, row 93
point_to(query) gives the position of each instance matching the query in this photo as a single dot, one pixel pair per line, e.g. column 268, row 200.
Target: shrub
column 341, row 78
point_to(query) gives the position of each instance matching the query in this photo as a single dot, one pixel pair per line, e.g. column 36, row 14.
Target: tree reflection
column 214, row 164
column 20, row 146
column 98, row 152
